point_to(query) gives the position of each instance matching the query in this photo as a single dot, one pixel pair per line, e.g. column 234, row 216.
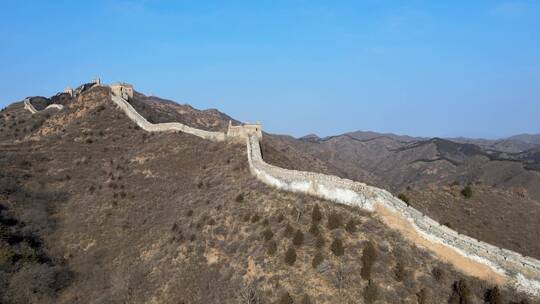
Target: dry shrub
column 493, row 296
column 320, row 241
column 423, row 297
column 337, row 247
column 461, row 293
column 305, row 300
column 317, row 259
column 316, row 215
column 298, row 238
column 404, row 198
column 290, row 256
column 239, row 198
column 267, row 234
column 371, row 293
column 285, row 298
column 314, row 229
column 467, row 192
column 288, row 230
column 271, row 248
column 334, row 220
column 350, row 227
column 249, row 294
column 255, row 218
column 399, row 272
column 369, row 256
column 438, row 274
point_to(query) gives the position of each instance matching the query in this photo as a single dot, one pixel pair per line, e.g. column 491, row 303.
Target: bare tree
column 248, row 294
column 341, row 276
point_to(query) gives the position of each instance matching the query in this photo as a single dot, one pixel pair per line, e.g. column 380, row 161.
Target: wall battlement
column 523, row 272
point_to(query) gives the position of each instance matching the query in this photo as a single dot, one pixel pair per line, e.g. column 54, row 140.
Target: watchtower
column 240, row 133
column 121, row 89
column 69, row 90
column 96, row 81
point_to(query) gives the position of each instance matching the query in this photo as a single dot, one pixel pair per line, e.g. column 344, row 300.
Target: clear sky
column 429, row 68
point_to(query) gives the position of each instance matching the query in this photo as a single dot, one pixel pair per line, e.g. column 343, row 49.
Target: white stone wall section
column 127, row 108
column 28, row 105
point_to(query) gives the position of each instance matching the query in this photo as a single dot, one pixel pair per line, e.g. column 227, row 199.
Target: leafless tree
column 248, row 294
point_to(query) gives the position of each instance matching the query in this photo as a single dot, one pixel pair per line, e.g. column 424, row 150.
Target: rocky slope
column 95, row 210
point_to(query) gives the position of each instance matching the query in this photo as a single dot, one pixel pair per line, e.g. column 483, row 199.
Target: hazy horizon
column 421, row 69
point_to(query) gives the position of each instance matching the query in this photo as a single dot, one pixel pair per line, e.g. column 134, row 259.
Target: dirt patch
column 464, row 264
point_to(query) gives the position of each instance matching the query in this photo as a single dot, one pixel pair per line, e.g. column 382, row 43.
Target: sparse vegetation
column 334, row 220
column 271, row 248
column 467, row 192
column 369, row 255
column 288, row 231
column 337, row 247
column 314, row 229
column 286, row 298
column 350, row 227
column 404, row 198
column 249, row 294
column 305, row 300
column 371, row 293
column 461, row 293
column 239, row 198
column 290, row 256
column 298, row 238
column 267, row 234
column 316, row 215
column 317, row 259
column 493, row 296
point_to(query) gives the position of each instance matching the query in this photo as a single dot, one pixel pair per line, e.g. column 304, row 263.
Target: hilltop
column 96, row 210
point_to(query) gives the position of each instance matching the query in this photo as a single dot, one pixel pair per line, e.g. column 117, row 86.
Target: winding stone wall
column 28, row 105
column 523, row 272
column 127, row 108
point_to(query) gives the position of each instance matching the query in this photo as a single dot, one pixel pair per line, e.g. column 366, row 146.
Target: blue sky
column 428, row 68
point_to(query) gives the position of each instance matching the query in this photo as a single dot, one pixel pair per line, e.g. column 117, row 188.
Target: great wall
column 465, row 253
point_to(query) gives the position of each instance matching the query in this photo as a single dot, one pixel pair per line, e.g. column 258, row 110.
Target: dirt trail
column 443, row 252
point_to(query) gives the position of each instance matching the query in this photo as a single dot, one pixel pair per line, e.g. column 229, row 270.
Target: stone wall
column 523, row 272
column 28, row 105
column 160, row 127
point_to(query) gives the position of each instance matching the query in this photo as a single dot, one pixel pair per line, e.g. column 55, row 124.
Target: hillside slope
column 504, row 208
column 95, row 210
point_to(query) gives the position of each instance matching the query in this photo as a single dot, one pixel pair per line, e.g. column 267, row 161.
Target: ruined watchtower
column 121, row 89
column 240, row 133
column 69, row 90
column 96, row 81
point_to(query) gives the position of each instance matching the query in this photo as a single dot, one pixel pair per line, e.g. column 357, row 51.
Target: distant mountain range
column 512, row 144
